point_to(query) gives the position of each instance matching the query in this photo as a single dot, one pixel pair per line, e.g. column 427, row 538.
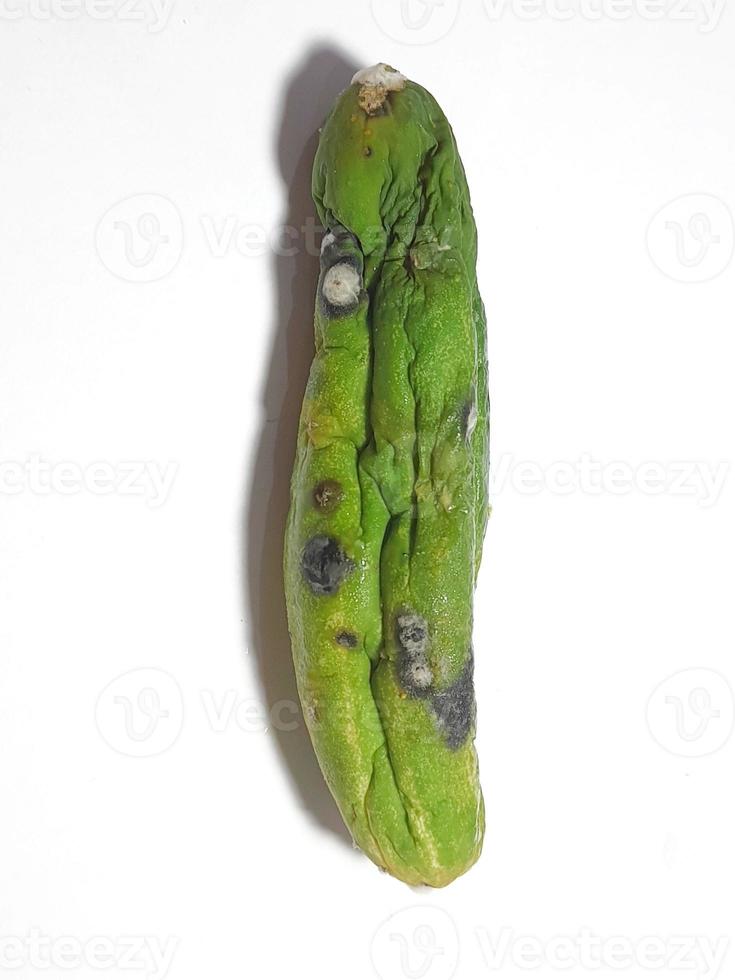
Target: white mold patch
column 380, row 74
column 414, row 672
column 419, row 674
column 471, row 419
column 328, row 240
column 342, row 284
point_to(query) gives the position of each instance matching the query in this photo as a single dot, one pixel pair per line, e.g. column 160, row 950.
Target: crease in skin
column 418, row 209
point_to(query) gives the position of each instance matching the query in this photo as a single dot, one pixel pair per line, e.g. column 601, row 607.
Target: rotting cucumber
column 389, row 494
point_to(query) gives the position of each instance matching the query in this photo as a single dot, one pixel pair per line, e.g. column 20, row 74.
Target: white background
column 179, row 807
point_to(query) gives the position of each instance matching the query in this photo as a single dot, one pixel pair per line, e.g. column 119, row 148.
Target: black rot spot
column 346, row 639
column 454, row 707
column 325, row 565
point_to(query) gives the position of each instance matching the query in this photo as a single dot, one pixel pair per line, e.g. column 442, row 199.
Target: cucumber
column 389, row 494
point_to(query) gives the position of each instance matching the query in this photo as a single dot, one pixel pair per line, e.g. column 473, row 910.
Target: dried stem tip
column 375, row 84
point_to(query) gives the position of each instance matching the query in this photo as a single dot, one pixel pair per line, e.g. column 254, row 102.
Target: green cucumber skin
column 389, row 495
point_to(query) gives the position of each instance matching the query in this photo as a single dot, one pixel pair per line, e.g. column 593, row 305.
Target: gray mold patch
column 325, row 565
column 454, row 707
column 341, row 286
column 337, row 244
column 414, row 672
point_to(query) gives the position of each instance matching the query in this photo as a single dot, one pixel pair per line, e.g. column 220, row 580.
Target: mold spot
column 469, row 418
column 324, row 565
column 413, row 632
column 375, row 84
column 341, row 286
column 454, row 707
column 340, row 245
column 311, row 713
column 366, row 151
column 346, row 639
column 328, row 495
column 414, row 671
column 327, row 242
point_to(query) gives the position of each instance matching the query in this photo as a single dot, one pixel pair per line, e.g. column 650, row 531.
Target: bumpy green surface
column 389, row 490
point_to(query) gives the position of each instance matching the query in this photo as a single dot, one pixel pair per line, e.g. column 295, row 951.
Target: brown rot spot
column 324, row 565
column 327, row 495
column 454, row 707
column 412, row 665
column 346, row 639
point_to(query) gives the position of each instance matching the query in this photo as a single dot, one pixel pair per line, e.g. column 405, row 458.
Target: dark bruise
column 325, row 565
column 327, row 495
column 454, row 707
column 412, row 664
column 346, row 639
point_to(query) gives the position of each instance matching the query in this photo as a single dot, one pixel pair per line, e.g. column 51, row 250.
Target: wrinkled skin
column 389, row 490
